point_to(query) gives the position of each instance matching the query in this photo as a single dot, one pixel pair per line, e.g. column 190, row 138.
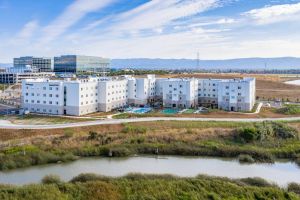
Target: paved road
column 7, row 125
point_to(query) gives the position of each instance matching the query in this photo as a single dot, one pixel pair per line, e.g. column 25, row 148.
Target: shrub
column 248, row 134
column 256, row 181
column 101, row 191
column 244, row 158
column 93, row 135
column 119, row 152
column 289, row 110
column 294, row 187
column 284, row 131
column 134, row 129
column 297, row 161
column 51, row 179
column 88, row 177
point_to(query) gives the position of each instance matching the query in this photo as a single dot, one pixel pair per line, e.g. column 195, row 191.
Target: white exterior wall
column 42, row 96
column 113, row 94
column 81, row 96
column 180, row 93
column 237, row 94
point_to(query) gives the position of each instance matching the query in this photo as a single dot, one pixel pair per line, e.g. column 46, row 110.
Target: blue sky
column 217, row 29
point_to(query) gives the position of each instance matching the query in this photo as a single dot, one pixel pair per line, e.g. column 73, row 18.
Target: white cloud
column 273, row 14
column 156, row 13
column 71, row 16
column 28, row 30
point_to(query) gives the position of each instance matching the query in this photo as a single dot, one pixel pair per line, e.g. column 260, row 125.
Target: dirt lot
column 268, row 86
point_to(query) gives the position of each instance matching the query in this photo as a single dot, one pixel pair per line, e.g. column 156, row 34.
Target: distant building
column 77, row 63
column 84, row 96
column 13, row 77
column 40, row 64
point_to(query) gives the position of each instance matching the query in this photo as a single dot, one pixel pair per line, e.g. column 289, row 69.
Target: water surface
column 280, row 172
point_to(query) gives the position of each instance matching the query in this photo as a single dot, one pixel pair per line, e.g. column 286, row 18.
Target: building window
column 50, row 95
column 50, row 88
column 50, row 102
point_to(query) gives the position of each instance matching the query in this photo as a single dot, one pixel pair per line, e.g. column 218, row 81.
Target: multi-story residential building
column 40, row 64
column 236, row 94
column 180, row 93
column 43, row 96
column 83, row 96
column 77, row 63
column 208, row 92
column 113, row 94
column 141, row 91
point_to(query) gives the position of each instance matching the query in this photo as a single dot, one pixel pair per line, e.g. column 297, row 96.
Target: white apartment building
column 141, row 91
column 208, row 92
column 180, row 93
column 236, row 94
column 112, row 94
column 84, row 96
column 43, row 96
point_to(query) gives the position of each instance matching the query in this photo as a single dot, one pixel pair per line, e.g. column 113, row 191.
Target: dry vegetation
column 268, row 86
column 42, row 120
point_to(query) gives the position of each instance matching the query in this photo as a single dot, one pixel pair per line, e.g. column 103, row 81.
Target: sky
column 214, row 29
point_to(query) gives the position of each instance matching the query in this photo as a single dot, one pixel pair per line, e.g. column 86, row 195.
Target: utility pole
column 198, row 59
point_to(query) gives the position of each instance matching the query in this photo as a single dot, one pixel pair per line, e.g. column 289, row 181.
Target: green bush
column 248, row 134
column 294, row 187
column 85, row 177
column 256, row 181
column 284, row 131
column 51, row 179
column 12, row 161
column 266, row 130
column 93, row 135
column 289, row 110
column 244, row 158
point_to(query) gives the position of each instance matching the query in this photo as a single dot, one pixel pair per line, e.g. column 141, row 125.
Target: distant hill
column 243, row 63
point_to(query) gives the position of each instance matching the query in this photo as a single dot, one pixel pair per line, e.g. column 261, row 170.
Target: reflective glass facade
column 74, row 64
column 40, row 64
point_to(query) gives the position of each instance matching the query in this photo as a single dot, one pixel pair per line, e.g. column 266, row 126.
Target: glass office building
column 75, row 64
column 40, row 64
